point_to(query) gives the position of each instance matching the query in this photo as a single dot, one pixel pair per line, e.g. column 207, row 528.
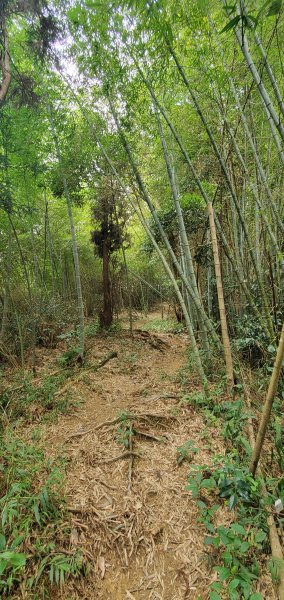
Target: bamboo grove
column 180, row 109
column 193, row 108
column 142, row 155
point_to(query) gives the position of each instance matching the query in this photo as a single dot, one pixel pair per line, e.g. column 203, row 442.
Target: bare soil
column 131, row 515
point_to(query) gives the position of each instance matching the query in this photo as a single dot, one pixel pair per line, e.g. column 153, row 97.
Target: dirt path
column 135, row 521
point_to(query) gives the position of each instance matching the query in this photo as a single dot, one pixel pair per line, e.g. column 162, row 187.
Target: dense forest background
column 141, row 166
column 139, row 116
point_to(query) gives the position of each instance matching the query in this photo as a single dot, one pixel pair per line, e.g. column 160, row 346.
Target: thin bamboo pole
column 231, row 190
column 188, row 262
column 272, row 389
column 222, row 310
column 164, row 236
column 204, row 194
column 73, row 236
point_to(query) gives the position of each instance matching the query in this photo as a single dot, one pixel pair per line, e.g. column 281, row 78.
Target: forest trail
column 144, row 542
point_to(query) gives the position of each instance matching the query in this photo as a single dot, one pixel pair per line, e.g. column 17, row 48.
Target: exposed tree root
column 132, row 417
column 153, row 340
column 149, row 436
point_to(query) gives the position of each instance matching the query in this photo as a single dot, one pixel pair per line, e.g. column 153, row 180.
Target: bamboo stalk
column 73, row 234
column 276, row 549
column 222, row 310
column 204, row 194
column 4, row 62
column 229, row 185
column 272, row 115
column 266, row 64
column 188, row 262
column 272, row 389
column 164, row 236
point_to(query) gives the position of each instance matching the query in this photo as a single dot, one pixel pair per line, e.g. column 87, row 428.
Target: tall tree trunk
column 147, row 199
column 128, row 286
column 188, row 262
column 6, row 295
column 165, row 264
column 107, row 312
column 30, row 296
column 4, row 321
column 259, row 166
column 272, row 115
column 266, row 64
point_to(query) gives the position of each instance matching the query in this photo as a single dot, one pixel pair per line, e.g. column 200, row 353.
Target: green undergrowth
column 31, row 402
column 92, row 329
column 238, row 549
column 34, row 529
column 163, row 325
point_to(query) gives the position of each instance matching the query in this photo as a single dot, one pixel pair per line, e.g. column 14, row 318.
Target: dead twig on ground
column 131, row 459
column 149, row 436
column 120, row 457
column 100, row 364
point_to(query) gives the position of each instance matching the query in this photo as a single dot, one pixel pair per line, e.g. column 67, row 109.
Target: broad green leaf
column 260, row 536
column 215, row 596
column 233, row 584
column 233, row 501
column 15, row 559
column 209, row 539
column 244, row 547
column 208, row 484
column 224, row 573
column 238, row 528
column 36, row 513
column 275, row 8
column 17, row 541
column 231, row 24
column 271, row 349
column 2, row 542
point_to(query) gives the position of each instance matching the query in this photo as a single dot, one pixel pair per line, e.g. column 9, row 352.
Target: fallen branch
column 100, row 364
column 83, row 511
column 93, row 429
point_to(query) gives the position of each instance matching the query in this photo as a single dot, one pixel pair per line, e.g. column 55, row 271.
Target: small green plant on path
column 163, row 325
column 186, row 452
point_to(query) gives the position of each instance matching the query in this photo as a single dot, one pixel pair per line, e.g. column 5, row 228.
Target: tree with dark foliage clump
column 107, row 238
column 42, row 31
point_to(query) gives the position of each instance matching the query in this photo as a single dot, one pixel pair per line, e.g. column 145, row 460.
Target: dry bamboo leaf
column 101, row 566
